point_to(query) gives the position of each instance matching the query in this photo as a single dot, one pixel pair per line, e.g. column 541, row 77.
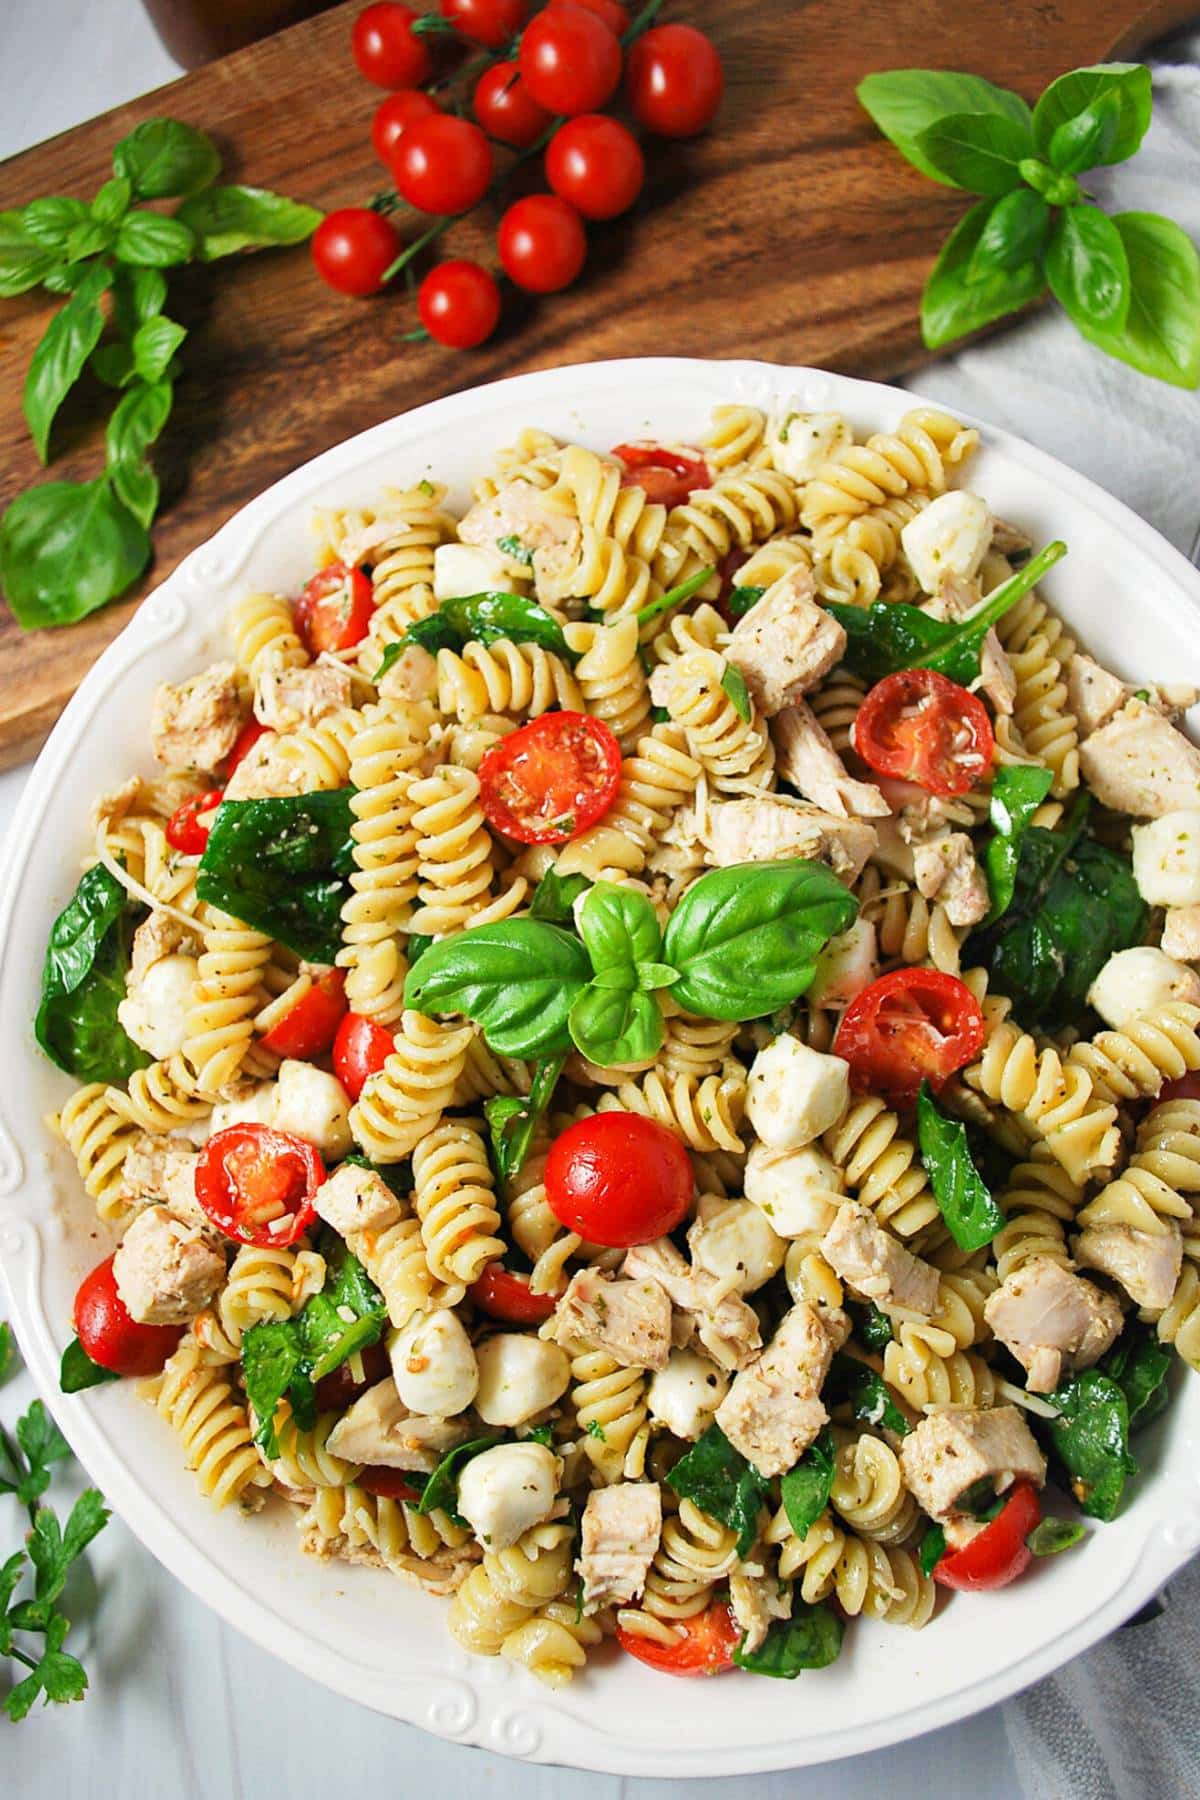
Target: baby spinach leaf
column 518, row 980
column 327, row 1336
column 872, row 1328
column 741, row 599
column 960, row 296
column 1049, row 1536
column 163, row 158
column 441, row 1490
column 733, row 686
column 554, row 897
column 483, row 619
column 1122, row 88
column 722, row 1483
column 59, row 359
column 77, row 1371
column 972, row 1216
column 867, row 1394
column 1018, row 789
column 274, row 1365
column 513, row 1119
column 805, row 1490
column 1139, row 1363
column 23, row 260
column 810, row 1639
column 83, row 983
column 981, row 152
column 611, row 1025
column 1161, row 334
column 67, row 548
column 1087, row 269
column 906, row 102
column 1090, row 1439
column 280, row 865
column 226, row 219
column 932, row 1549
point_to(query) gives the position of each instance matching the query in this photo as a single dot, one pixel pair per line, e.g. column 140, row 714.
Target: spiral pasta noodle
column 212, row 1425
column 1039, row 1201
column 611, row 677
column 454, row 1198
column 384, row 754
column 1133, row 1064
column 610, row 1407
column 727, row 746
column 455, row 856
column 161, row 1098
column 350, row 1523
column 225, row 1000
column 705, row 1114
column 99, row 1137
column 264, row 634
column 400, row 1104
column 882, row 1167
column 522, row 679
column 656, row 781
column 868, row 1578
column 694, row 1553
column 868, row 1490
column 304, row 1460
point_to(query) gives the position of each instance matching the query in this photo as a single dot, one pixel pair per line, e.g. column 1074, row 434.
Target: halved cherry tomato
column 1184, row 1087
column 618, row 1179
column 706, row 1648
column 334, row 611
column 309, row 1025
column 508, row 1296
column 667, row 476
column 923, row 727
column 551, row 779
column 360, row 1049
column 389, row 1484
column 999, row 1553
column 257, row 1184
column 109, row 1333
column 342, row 1387
column 184, row 830
column 911, row 1025
column 243, row 744
column 394, row 115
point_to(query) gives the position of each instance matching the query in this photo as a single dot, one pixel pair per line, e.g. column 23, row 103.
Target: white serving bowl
column 1134, row 601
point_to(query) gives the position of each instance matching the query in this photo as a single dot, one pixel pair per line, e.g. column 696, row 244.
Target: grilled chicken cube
column 194, row 725
column 286, row 698
column 948, row 1453
column 1145, row 1263
column 1139, row 763
column 786, row 644
column 739, row 831
column 873, row 1263
column 727, row 1327
column 619, row 1534
column 166, row 1269
column 1052, row 1320
column 525, row 515
column 773, row 1411
column 805, row 757
column 629, row 1319
column 946, row 870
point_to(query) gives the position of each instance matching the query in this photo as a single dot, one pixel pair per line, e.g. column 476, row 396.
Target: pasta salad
column 643, row 1049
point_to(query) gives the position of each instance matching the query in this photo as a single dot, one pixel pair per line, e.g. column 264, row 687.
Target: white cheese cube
column 685, row 1395
column 800, row 442
column 155, row 1011
column 795, row 1093
column 313, row 1105
column 950, row 537
column 848, row 963
column 519, row 1377
column 462, row 569
column 433, row 1365
column 1136, row 982
column 1166, row 859
column 798, row 1191
column 505, row 1490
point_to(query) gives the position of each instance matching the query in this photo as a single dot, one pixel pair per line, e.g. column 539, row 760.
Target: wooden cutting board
column 792, row 232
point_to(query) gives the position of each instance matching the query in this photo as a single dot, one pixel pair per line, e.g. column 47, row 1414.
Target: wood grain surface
column 791, row 231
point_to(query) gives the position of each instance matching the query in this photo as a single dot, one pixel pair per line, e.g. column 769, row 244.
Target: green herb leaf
column 152, row 241
column 675, row 596
column 1018, row 789
column 619, row 928
column 162, row 158
column 1139, row 1364
column 326, row 1334
column 870, row 1399
column 960, row 298
column 513, row 1119
column 518, row 980
column 554, row 897
column 227, row 219
column 23, row 260
column 136, row 423
column 513, row 547
column 1161, row 334
column 441, row 1490
column 77, row 1370
column 83, row 983
column 1014, row 233
column 723, row 1484
column 1124, row 90
column 733, row 686
column 154, row 345
column 112, row 364
column 932, row 1549
column 741, row 599
column 138, row 295
column 1090, row 1439
column 1088, row 270
column 50, row 221
column 611, row 1027
column 904, row 103
column 487, row 619
column 112, row 202
column 60, row 358
column 981, row 152
column 810, row 1639
column 7, row 1354
column 1049, row 1536
column 66, row 549
column 52, row 1551
column 281, row 865
column 872, row 1328
column 966, row 1204
column 42, row 1444
column 86, row 240
column 274, row 1364
column 805, row 1490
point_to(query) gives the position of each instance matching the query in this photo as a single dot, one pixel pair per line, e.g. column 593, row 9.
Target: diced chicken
column 619, row 1534
column 1052, row 1320
column 1145, row 1263
column 798, row 1191
column 877, row 1266
column 1166, row 859
column 949, row 1452
column 505, row 1490
column 1094, row 694
column 951, row 534
column 786, row 644
column 1140, row 763
column 153, row 1170
column 286, row 698
column 412, row 676
column 630, row 1319
column 756, row 1599
column 1136, row 982
column 166, row 1270
column 946, row 870
column 737, row 831
column 996, row 677
column 263, row 774
column 726, row 1326
column 1181, row 933
column 356, row 1199
column 795, row 1093
column 848, row 963
column 526, row 514
column 379, row 1428
column 194, row 725
column 801, row 442
column 733, row 1241
column 806, row 758
column 686, row 1394
column 519, row 1377
column 773, row 1411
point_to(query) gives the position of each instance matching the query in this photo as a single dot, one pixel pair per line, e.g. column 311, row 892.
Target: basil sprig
column 963, row 1196
column 1130, row 284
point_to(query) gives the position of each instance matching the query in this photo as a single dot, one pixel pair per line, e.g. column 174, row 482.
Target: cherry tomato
column 551, row 779
column 184, row 829
column 596, row 164
column 334, row 611
column 618, row 1179
column 490, row 22
column 570, row 59
column 999, row 1553
column 342, row 1387
column 910, row 1025
column 243, row 744
column 386, row 48
column 921, row 726
column 507, row 1296
column 542, row 243
column 353, row 248
column 393, row 117
column 1184, row 1087
column 257, row 1184
column 504, row 108
column 615, row 17
column 706, row 1648
column 309, row 1026
column 442, row 164
column 360, row 1049
column 389, row 1484
column 674, row 80
column 458, row 303
column 666, row 476
column 109, row 1333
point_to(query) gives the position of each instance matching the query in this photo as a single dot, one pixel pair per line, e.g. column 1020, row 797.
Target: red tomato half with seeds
column 999, row 1553
column 184, row 829
column 334, row 611
column 921, row 726
column 909, row 1026
column 360, row 1049
column 505, row 1295
column 309, row 1025
column 666, row 477
column 257, row 1185
column 551, row 779
column 619, row 1179
column 110, row 1334
column 706, row 1647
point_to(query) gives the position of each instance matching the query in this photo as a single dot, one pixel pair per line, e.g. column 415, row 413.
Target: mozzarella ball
column 685, row 1395
column 800, row 442
column 434, row 1365
column 463, row 569
column 950, row 537
column 254, row 1108
column 505, row 1490
column 519, row 1377
column 1166, row 859
column 798, row 1191
column 795, row 1093
column 848, row 963
column 155, row 1012
column 734, row 1241
column 313, row 1105
column 1136, row 982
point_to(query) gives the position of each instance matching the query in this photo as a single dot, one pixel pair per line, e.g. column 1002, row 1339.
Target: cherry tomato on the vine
column 257, row 1184
column 508, row 1296
column 360, row 1049
column 309, row 1025
column 921, row 726
column 334, row 611
column 618, row 1179
column 394, row 115
column 542, row 243
column 674, row 80
column 551, row 779
column 458, row 303
column 443, row 165
column 706, row 1647
column 999, row 1553
column 353, row 248
column 488, row 22
column 909, row 1025
column 505, row 109
column 386, row 48
column 596, row 164
column 570, row 59
column 109, row 1333
column 615, row 16
column 184, row 829
column 666, row 476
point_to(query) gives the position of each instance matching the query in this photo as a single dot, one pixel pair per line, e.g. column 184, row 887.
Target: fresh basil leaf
column 164, row 158
column 513, row 1119
column 66, row 549
column 958, row 299
column 83, row 983
column 77, row 1371
column 810, row 1639
column 60, row 358
column 274, row 1365
column 137, row 421
column 872, row 1328
column 154, row 345
column 227, row 219
column 280, row 865
column 723, row 1484
column 805, row 1490
column 112, row 202
column 932, row 1549
column 554, row 897
column 23, row 260
column 745, row 939
column 138, row 295
column 1090, row 1439
column 651, row 976
column 152, row 241
column 733, row 686
column 440, row 1493
column 972, row 1216
column 86, row 240
column 1014, row 233
column 741, row 599
column 50, row 221
column 1049, row 1536
column 611, row 1027
column 518, row 980
column 1018, row 789
column 855, row 1384
column 112, row 364
column 1161, row 334
column 348, row 1315
column 1139, row 1363
column 906, row 102
column 981, row 152
column 619, row 927
column 1086, row 141
column 1123, row 85
column 1087, row 268
column 675, row 596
